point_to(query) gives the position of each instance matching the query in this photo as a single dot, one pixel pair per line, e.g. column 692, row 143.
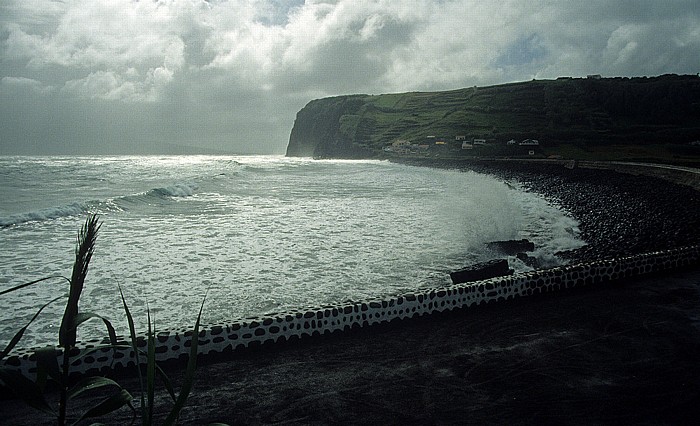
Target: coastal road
column 658, row 166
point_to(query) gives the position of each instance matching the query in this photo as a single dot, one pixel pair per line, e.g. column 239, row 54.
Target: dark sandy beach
column 620, row 353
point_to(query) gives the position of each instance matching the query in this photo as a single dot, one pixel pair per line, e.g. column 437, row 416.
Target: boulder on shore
column 528, row 260
column 481, row 271
column 511, row 247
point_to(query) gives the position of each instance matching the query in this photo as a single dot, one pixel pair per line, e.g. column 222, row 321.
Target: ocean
column 255, row 234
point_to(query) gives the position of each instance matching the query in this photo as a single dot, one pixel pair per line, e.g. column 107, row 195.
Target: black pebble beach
column 620, row 214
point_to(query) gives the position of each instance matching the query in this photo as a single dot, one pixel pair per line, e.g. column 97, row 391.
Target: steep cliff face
column 582, row 111
column 318, row 130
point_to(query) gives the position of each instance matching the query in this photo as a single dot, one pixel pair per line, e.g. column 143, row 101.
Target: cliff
column 581, row 112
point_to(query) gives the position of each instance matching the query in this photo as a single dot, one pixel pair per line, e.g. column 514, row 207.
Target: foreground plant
column 147, row 383
column 32, row 392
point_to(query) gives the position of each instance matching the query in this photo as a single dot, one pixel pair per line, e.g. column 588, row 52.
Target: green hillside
column 642, row 118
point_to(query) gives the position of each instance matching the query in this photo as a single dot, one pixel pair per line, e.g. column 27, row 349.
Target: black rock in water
column 528, row 260
column 481, row 271
column 512, row 247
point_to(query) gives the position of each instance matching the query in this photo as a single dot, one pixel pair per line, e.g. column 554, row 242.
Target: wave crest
column 43, row 214
column 178, row 190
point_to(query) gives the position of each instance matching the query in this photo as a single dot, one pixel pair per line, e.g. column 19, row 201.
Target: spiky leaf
column 84, row 316
column 84, row 250
column 21, row 286
column 188, row 381
column 91, row 383
column 25, row 389
column 46, row 365
column 150, row 367
column 18, row 336
column 108, row 405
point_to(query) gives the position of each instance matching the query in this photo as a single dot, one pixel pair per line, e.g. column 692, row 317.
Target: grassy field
column 612, row 118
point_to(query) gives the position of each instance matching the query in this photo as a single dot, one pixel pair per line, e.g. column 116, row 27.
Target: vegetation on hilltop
column 569, row 116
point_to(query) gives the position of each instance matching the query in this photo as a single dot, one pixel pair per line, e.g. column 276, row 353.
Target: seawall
column 222, row 339
column 682, row 175
column 688, row 176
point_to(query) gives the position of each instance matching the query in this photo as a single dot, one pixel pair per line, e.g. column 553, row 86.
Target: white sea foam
column 260, row 234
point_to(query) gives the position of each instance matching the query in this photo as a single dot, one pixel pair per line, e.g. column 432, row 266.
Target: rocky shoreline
column 619, row 214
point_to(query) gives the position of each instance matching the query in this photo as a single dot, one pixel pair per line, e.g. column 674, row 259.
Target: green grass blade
column 150, row 367
column 18, row 336
column 166, row 382
column 46, row 365
column 67, row 332
column 87, row 238
column 188, row 381
column 25, row 389
column 21, row 286
column 134, row 347
column 108, row 405
column 90, row 383
column 84, row 316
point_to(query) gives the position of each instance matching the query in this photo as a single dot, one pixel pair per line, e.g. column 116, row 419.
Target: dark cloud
column 524, row 51
column 124, row 76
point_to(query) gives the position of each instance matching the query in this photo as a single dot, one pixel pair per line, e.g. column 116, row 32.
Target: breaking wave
column 43, row 214
column 163, row 194
column 177, row 190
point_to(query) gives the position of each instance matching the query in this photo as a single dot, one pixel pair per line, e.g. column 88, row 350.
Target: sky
column 173, row 76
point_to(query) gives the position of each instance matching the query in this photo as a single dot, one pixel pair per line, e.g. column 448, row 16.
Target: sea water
column 255, row 234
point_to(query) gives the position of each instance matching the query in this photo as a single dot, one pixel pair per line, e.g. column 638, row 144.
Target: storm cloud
column 147, row 76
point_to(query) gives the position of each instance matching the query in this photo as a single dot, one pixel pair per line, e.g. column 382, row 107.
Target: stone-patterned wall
column 294, row 325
